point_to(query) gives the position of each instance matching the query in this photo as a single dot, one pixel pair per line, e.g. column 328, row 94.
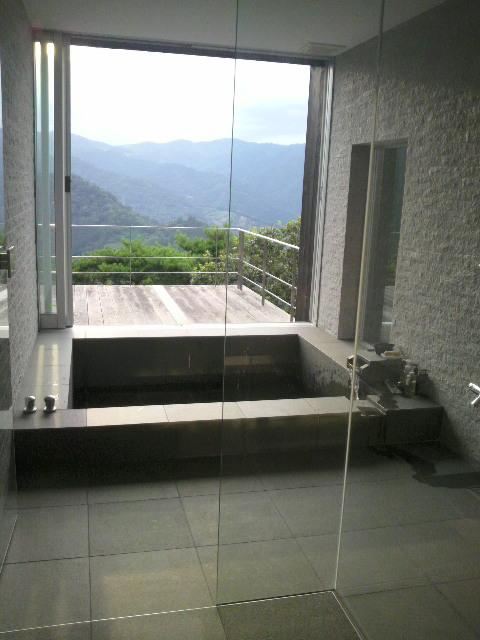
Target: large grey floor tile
column 144, row 525
column 198, row 486
column 464, row 596
column 404, row 501
column 373, row 560
column 198, row 477
column 208, row 477
column 203, row 624
column 418, row 613
column 51, row 497
column 239, row 474
column 368, row 505
column 49, row 533
column 44, row 593
column 120, row 492
column 444, row 551
column 202, row 516
column 415, row 501
column 435, row 459
column 301, row 469
column 208, row 557
column 244, row 517
column 310, row 511
column 76, row 631
column 255, row 570
column 311, row 617
column 368, row 465
column 136, row 583
column 57, row 479
column 321, row 551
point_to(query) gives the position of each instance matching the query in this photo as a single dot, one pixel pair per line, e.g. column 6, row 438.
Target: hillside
column 161, row 183
column 185, row 178
column 93, row 205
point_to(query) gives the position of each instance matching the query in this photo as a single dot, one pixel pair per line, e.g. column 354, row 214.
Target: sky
column 125, row 97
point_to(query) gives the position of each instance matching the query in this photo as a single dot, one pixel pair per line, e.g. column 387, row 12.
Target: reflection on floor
column 309, row 617
column 415, row 572
column 142, row 541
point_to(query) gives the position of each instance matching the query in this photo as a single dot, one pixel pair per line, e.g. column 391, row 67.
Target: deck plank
column 151, row 309
column 95, row 313
column 170, row 305
column 80, row 308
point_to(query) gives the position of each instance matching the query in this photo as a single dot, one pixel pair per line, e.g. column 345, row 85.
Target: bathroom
column 306, row 467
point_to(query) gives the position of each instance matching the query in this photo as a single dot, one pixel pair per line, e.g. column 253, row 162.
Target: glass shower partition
column 286, row 384
column 409, row 554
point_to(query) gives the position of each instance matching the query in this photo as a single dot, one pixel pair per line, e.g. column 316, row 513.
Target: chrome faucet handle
column 50, row 404
column 29, row 405
column 474, row 388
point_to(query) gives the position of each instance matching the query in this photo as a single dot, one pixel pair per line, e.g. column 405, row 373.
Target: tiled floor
column 134, row 542
column 308, row 617
column 416, row 575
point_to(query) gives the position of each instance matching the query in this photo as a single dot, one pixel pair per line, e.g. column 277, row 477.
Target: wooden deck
column 172, row 305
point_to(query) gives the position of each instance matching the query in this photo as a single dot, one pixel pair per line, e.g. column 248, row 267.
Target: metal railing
column 266, row 241
column 242, row 263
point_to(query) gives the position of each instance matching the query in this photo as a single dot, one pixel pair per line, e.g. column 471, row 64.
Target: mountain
column 152, row 183
column 93, row 205
column 184, row 178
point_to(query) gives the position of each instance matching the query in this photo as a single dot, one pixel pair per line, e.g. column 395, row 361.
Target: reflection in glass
column 408, row 561
column 384, row 241
column 44, row 57
column 285, row 388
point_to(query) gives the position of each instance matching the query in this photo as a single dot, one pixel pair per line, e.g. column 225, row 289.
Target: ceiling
column 286, row 26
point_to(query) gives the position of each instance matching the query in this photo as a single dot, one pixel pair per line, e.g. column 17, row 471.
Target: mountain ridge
column 193, row 178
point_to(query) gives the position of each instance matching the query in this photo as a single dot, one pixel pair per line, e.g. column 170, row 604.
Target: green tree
column 136, row 256
column 201, row 260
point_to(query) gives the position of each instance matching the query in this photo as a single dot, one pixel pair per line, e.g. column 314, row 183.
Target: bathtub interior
column 163, row 371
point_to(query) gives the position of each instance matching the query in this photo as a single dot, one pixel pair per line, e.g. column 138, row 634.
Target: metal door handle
column 474, row 388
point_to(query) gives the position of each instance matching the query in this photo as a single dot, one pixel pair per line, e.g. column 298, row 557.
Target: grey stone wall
column 429, row 95
column 18, row 148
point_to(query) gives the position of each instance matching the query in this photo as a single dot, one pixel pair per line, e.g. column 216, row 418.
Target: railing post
column 241, row 255
column 293, row 290
column 216, row 257
column 130, row 255
column 264, row 270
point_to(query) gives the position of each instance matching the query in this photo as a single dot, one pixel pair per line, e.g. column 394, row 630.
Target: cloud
column 123, row 97
column 282, row 123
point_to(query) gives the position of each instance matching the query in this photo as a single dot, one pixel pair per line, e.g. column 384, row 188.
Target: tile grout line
column 349, row 616
column 310, row 564
column 202, row 569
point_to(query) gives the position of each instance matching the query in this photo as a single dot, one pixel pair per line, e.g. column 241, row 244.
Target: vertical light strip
column 44, row 194
column 51, row 164
column 59, row 178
